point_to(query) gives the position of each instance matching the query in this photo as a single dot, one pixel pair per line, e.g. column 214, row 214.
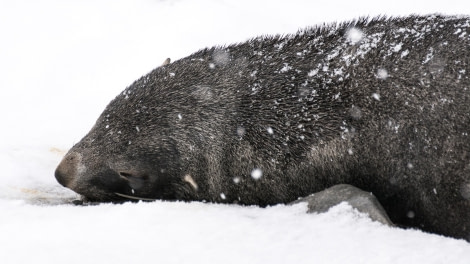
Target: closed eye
column 129, row 175
column 125, row 174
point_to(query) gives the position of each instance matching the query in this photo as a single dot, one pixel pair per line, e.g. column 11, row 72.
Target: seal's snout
column 68, row 169
column 62, row 177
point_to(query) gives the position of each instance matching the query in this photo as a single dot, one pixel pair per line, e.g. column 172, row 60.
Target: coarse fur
column 382, row 104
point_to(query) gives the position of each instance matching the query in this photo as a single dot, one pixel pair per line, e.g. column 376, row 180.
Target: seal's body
column 381, row 104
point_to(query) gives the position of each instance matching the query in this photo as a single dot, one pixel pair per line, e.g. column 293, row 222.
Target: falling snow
column 382, row 74
column 465, row 190
column 404, row 53
column 221, row 57
column 256, row 174
column 31, row 228
column 241, row 131
column 376, row 96
column 354, row 35
column 270, row 130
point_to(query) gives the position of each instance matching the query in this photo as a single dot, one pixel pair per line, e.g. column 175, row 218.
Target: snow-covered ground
column 61, row 62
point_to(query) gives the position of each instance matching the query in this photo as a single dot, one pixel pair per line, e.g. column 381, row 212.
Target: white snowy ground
column 61, row 62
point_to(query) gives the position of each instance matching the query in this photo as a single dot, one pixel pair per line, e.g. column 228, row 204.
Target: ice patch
column 279, row 46
column 333, row 55
column 367, row 44
column 397, row 47
column 336, row 96
column 429, row 56
column 404, row 53
column 312, row 73
column 285, row 68
column 338, row 71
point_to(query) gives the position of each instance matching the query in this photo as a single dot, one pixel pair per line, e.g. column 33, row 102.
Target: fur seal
column 382, row 104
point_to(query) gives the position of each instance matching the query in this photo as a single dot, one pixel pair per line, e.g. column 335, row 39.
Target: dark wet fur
column 389, row 114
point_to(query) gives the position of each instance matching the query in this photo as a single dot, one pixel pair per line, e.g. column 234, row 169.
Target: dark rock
column 364, row 202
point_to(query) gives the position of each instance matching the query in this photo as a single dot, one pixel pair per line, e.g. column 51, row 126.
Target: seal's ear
column 166, row 62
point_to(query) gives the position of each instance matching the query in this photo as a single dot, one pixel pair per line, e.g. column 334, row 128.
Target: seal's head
column 130, row 153
column 117, row 169
column 110, row 176
column 148, row 142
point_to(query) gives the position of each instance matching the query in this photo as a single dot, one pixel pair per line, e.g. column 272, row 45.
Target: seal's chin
column 97, row 191
column 99, row 196
column 116, row 198
column 118, row 191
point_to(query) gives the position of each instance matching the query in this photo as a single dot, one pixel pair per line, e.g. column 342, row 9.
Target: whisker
column 134, row 197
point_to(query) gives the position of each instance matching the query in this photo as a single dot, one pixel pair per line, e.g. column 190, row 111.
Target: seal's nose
column 61, row 177
column 67, row 170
